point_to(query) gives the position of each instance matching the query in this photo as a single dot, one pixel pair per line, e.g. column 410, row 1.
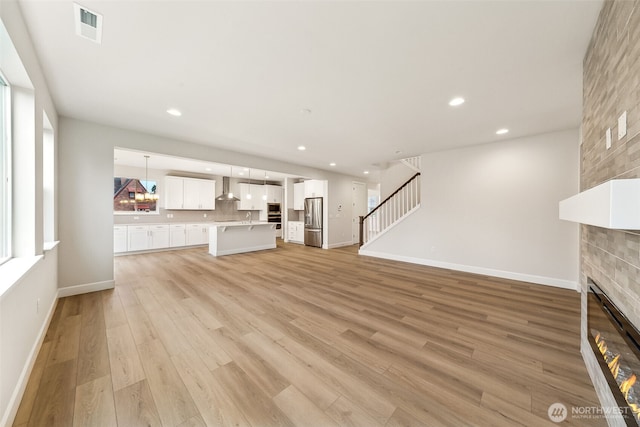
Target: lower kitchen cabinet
column 177, row 235
column 296, row 231
column 138, row 238
column 197, row 234
column 158, row 236
column 119, row 239
column 134, row 238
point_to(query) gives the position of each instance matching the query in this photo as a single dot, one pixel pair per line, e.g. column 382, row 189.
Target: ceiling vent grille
column 88, row 23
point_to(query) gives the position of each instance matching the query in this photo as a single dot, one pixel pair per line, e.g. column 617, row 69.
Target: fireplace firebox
column 616, row 344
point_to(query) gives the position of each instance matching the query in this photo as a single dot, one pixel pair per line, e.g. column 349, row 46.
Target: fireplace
column 616, row 344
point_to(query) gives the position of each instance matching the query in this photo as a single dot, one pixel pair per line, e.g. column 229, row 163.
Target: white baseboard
column 541, row 280
column 23, row 380
column 341, row 244
column 86, row 288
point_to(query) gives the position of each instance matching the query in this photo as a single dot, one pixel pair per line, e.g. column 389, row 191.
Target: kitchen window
column 5, row 173
column 134, row 196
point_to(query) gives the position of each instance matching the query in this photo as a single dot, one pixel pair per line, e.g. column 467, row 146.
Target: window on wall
column 5, row 173
column 48, row 180
column 133, row 195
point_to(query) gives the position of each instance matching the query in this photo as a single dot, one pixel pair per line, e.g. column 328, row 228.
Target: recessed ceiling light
column 240, row 173
column 456, row 101
column 301, row 147
column 245, row 169
column 502, row 131
column 266, row 177
column 174, row 112
column 366, row 172
column 207, row 169
column 332, row 164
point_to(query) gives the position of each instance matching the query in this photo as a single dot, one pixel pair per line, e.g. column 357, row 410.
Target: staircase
column 412, row 163
column 402, row 202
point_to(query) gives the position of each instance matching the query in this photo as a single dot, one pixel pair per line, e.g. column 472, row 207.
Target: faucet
column 248, row 216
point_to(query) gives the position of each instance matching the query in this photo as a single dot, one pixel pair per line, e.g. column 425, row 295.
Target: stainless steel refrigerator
column 313, row 221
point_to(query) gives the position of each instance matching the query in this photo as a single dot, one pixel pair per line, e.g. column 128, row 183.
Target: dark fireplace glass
column 616, row 344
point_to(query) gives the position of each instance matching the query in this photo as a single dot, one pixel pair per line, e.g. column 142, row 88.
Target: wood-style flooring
column 300, row 336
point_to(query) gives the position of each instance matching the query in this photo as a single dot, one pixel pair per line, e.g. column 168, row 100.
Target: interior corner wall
column 493, row 209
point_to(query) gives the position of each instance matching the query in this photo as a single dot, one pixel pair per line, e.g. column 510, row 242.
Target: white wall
column 25, row 304
column 493, row 209
column 340, row 210
column 393, row 177
column 86, row 187
column 25, row 310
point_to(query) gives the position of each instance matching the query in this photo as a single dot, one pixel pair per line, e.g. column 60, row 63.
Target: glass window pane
column 5, row 169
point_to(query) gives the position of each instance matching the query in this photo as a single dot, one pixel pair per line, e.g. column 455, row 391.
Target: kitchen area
column 168, row 203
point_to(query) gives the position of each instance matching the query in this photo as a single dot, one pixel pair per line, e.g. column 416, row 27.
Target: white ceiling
column 376, row 75
column 169, row 163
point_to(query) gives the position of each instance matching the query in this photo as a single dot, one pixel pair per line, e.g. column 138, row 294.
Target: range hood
column 226, row 194
column 614, row 204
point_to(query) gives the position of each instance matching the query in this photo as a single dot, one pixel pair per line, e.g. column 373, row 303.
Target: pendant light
column 147, row 195
column 230, row 194
column 264, row 196
column 249, row 192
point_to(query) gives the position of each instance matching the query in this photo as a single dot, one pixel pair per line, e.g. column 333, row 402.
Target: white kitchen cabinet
column 254, row 203
column 298, row 196
column 137, row 238
column 274, row 193
column 296, row 231
column 177, row 235
column 119, row 239
column 158, row 236
column 145, row 237
column 199, row 194
column 197, row 234
column 314, row 188
column 173, row 192
column 189, row 193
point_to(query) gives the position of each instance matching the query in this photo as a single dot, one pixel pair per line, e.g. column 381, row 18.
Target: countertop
column 205, row 223
column 241, row 223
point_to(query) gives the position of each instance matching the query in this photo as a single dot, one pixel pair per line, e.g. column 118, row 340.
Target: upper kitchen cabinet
column 189, row 193
column 199, row 194
column 314, row 188
column 274, row 193
column 173, row 192
column 298, row 196
column 251, row 197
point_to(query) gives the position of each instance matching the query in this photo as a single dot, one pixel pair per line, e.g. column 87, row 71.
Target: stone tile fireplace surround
column 611, row 85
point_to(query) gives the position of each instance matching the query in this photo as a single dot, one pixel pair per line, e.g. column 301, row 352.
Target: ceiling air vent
column 88, row 23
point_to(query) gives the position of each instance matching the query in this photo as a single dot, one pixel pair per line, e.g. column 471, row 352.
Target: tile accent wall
column 611, row 86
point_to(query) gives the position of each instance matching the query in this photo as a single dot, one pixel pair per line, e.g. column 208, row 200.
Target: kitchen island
column 226, row 238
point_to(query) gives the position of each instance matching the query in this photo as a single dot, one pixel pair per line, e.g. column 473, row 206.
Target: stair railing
column 392, row 209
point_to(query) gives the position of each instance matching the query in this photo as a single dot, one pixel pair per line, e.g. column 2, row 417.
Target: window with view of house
column 133, row 195
column 5, row 174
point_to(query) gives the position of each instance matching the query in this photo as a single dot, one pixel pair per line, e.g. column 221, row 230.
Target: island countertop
column 236, row 237
column 240, row 223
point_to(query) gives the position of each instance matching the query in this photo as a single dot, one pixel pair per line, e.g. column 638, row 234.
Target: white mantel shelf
column 614, row 204
column 226, row 238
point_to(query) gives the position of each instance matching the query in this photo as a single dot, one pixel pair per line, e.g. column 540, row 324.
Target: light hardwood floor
column 307, row 337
